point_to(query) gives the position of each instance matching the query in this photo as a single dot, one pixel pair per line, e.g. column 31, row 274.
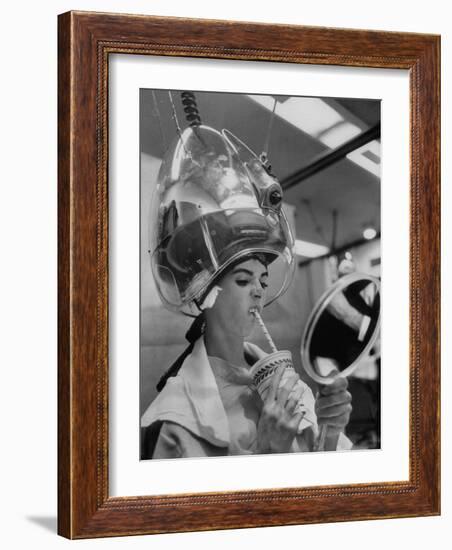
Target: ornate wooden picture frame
column 86, row 40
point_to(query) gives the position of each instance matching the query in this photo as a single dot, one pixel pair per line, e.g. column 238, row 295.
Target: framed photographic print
column 248, row 275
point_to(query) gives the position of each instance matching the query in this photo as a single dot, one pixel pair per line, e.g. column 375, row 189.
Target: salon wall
column 28, row 275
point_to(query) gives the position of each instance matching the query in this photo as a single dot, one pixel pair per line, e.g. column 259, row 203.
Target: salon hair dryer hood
column 214, row 203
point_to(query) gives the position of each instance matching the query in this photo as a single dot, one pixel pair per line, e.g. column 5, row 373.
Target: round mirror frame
column 319, row 308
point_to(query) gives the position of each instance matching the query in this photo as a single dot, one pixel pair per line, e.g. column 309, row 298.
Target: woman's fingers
column 296, row 419
column 333, row 405
column 292, row 403
column 337, row 410
column 281, row 414
column 341, row 398
column 339, row 385
column 285, row 390
column 275, row 383
column 336, row 422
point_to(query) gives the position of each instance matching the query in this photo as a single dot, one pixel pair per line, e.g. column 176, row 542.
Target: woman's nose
column 258, row 290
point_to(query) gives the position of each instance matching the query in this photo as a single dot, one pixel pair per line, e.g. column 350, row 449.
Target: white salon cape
column 201, row 411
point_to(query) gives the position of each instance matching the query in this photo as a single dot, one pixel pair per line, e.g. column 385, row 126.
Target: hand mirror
column 341, row 330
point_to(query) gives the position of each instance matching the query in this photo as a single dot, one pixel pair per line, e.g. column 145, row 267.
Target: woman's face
column 243, row 289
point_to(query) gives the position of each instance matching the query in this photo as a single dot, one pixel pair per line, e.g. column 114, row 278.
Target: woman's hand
column 333, row 408
column 279, row 420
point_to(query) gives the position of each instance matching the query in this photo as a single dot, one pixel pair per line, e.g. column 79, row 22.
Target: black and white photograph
column 226, row 240
column 260, row 272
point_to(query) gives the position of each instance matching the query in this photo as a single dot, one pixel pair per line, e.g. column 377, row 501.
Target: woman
column 210, row 408
column 218, row 228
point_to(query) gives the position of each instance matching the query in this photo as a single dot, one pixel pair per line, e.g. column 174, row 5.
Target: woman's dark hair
column 264, row 258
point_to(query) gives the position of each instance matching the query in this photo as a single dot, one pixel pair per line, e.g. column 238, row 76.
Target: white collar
column 202, row 390
column 192, row 400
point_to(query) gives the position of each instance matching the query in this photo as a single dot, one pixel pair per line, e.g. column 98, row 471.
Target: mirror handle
column 320, row 443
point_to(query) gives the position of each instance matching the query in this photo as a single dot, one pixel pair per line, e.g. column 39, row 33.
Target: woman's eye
column 244, row 283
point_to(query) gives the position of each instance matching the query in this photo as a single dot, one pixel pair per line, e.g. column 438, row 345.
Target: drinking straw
column 264, row 330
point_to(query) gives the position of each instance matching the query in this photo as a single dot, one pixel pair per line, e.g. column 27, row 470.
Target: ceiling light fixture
column 369, row 233
column 309, row 114
column 336, row 136
column 310, row 250
column 358, row 157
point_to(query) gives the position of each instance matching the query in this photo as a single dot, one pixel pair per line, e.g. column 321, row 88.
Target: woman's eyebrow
column 248, row 272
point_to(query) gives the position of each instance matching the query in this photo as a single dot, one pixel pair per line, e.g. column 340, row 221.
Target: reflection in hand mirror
column 342, row 328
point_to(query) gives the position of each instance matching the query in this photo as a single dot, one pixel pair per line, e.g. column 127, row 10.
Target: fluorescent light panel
column 310, row 250
column 365, row 162
column 309, row 114
column 339, row 134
